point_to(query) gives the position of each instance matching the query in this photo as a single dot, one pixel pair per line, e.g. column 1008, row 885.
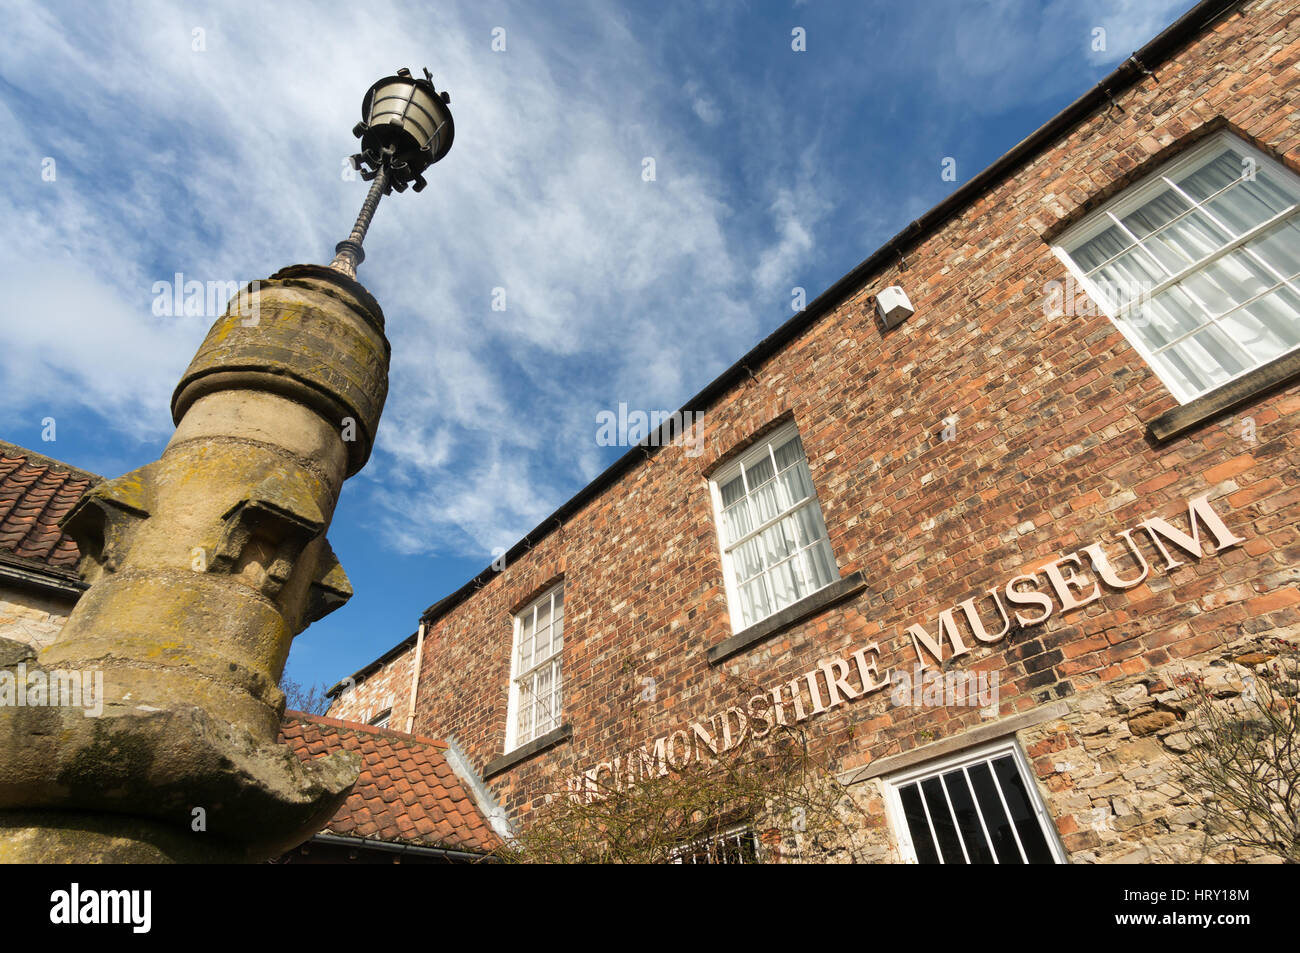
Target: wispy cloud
column 210, row 140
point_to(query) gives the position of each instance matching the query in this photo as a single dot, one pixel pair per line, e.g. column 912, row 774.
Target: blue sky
column 209, row 138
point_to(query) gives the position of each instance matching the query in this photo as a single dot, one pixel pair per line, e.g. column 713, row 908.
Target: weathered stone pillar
column 204, row 565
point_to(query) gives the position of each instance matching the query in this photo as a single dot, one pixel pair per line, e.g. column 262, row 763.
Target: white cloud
column 225, row 164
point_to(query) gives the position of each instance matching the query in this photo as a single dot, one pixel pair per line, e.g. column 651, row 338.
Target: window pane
column 995, row 818
column 556, row 693
column 1212, row 346
column 917, row 827
column 1212, row 176
column 788, row 453
column 968, row 822
column 779, row 540
column 819, row 567
column 1156, row 214
column 737, row 521
column 747, row 558
column 1191, row 368
column 1101, row 247
column 732, row 491
column 1031, row 832
column 1245, row 204
column 811, row 527
column 1176, row 245
column 525, row 711
column 941, row 818
column 758, row 473
column 1269, row 327
column 1187, row 241
column 1165, row 318
column 766, row 504
column 794, row 484
column 543, row 717
column 1228, row 281
column 754, row 602
column 1133, row 269
column 786, row 586
column 1280, row 248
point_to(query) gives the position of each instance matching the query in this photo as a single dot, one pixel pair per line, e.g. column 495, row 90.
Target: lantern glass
column 411, row 118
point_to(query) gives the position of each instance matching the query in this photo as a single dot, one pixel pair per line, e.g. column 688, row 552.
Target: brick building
column 1064, row 458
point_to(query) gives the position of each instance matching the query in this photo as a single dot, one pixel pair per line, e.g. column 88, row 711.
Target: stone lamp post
column 205, row 564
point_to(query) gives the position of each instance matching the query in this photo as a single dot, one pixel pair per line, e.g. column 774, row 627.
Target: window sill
column 820, row 600
column 1262, row 380
column 524, row 752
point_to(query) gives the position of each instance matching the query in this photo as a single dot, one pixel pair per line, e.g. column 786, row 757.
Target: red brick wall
column 1051, row 454
column 389, row 687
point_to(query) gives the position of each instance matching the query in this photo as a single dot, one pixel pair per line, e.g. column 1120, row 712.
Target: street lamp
column 405, row 127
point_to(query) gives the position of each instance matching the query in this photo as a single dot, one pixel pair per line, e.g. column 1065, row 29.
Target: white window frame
column 764, row 446
column 964, row 759
column 1138, row 195
column 555, row 659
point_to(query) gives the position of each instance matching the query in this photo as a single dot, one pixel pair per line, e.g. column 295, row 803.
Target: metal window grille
column 736, row 846
column 978, row 812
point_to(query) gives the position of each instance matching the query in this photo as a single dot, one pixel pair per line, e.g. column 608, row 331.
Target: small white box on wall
column 893, row 306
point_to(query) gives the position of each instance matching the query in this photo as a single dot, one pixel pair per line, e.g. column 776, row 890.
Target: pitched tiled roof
column 407, row 792
column 35, row 493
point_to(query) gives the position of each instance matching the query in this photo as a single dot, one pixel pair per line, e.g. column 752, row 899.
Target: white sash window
column 1198, row 264
column 535, row 679
column 775, row 549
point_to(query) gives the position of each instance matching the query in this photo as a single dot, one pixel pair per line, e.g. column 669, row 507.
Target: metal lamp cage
column 406, row 126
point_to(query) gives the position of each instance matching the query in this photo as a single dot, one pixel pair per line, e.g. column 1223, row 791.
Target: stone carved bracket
column 330, row 589
column 272, row 527
column 104, row 520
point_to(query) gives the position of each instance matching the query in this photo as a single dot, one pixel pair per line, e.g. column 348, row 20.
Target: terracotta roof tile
column 407, row 793
column 35, row 493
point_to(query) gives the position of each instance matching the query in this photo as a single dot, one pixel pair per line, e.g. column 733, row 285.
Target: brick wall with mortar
column 1051, row 454
column 387, row 687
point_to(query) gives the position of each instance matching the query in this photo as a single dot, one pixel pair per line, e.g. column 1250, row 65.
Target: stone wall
column 31, row 617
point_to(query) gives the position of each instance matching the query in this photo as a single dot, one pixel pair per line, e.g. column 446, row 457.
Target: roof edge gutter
column 369, row 843
column 36, row 579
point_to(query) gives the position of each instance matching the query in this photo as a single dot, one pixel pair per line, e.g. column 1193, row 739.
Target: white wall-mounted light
column 893, row 306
